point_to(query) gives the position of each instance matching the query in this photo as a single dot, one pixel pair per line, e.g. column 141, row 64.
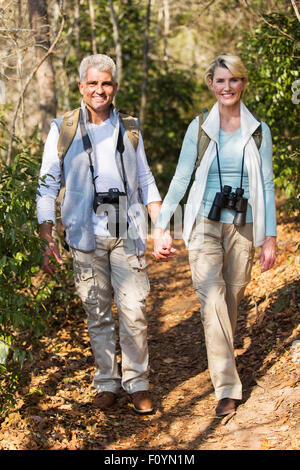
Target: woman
column 221, row 247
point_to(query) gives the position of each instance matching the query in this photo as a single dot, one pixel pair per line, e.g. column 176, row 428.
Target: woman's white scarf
column 252, row 162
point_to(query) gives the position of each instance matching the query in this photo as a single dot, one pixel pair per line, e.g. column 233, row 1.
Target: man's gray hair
column 101, row 62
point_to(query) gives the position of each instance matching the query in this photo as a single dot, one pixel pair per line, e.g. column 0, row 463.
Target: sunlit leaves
column 273, row 48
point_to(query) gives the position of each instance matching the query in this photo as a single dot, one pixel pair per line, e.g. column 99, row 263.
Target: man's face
column 98, row 90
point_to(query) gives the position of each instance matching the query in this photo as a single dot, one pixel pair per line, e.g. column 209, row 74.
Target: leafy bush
column 22, row 309
column 271, row 53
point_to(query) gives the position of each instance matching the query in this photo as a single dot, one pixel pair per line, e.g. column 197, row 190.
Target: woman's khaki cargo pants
column 221, row 257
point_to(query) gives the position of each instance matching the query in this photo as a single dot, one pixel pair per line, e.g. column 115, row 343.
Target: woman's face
column 227, row 88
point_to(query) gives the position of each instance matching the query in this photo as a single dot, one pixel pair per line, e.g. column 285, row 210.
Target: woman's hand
column 163, row 245
column 268, row 254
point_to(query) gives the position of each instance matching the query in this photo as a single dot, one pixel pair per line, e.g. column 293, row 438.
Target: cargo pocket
column 239, row 264
column 85, row 283
column 138, row 267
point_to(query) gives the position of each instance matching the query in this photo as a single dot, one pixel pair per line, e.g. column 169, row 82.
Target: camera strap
column 88, row 149
column 242, row 170
column 121, row 148
column 219, row 170
column 87, row 146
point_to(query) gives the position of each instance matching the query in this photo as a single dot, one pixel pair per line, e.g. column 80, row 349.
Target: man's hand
column 163, row 245
column 51, row 249
column 268, row 254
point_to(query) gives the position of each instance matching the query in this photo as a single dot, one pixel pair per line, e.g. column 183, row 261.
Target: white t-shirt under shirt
column 105, row 170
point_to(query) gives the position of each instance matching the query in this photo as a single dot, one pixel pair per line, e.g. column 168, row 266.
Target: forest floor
column 54, row 408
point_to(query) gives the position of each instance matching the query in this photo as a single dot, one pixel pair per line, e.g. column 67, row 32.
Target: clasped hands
column 163, row 245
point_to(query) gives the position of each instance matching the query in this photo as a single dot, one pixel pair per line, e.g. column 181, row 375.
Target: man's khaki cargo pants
column 114, row 268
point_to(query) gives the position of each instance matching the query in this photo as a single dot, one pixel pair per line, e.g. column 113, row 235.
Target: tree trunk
column 38, row 18
column 166, row 31
column 145, row 68
column 118, row 46
column 92, row 16
column 77, row 26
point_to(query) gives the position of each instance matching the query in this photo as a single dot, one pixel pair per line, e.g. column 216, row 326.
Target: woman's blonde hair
column 232, row 62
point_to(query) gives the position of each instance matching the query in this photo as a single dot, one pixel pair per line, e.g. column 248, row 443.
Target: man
column 104, row 262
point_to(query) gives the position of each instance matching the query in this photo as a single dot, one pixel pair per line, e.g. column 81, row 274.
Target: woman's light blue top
column 230, row 155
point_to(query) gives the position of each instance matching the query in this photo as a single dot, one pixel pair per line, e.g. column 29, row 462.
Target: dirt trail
column 54, row 409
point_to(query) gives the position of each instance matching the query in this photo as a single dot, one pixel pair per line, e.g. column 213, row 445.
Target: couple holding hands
column 229, row 212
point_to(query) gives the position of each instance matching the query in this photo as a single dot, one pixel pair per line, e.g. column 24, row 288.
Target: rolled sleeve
column 49, row 182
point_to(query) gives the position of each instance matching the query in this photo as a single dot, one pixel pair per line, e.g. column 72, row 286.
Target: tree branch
column 296, row 9
column 262, row 17
column 29, row 78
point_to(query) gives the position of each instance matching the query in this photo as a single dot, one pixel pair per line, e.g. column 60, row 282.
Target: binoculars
column 226, row 199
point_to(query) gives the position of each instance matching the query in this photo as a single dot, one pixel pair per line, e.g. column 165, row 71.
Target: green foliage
column 271, row 53
column 170, row 108
column 22, row 310
column 171, row 92
column 131, row 24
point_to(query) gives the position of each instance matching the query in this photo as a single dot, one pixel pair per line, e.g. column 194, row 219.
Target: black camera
column 115, row 208
column 229, row 200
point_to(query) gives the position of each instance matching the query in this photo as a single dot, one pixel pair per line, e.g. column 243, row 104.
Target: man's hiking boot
column 104, row 400
column 142, row 403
